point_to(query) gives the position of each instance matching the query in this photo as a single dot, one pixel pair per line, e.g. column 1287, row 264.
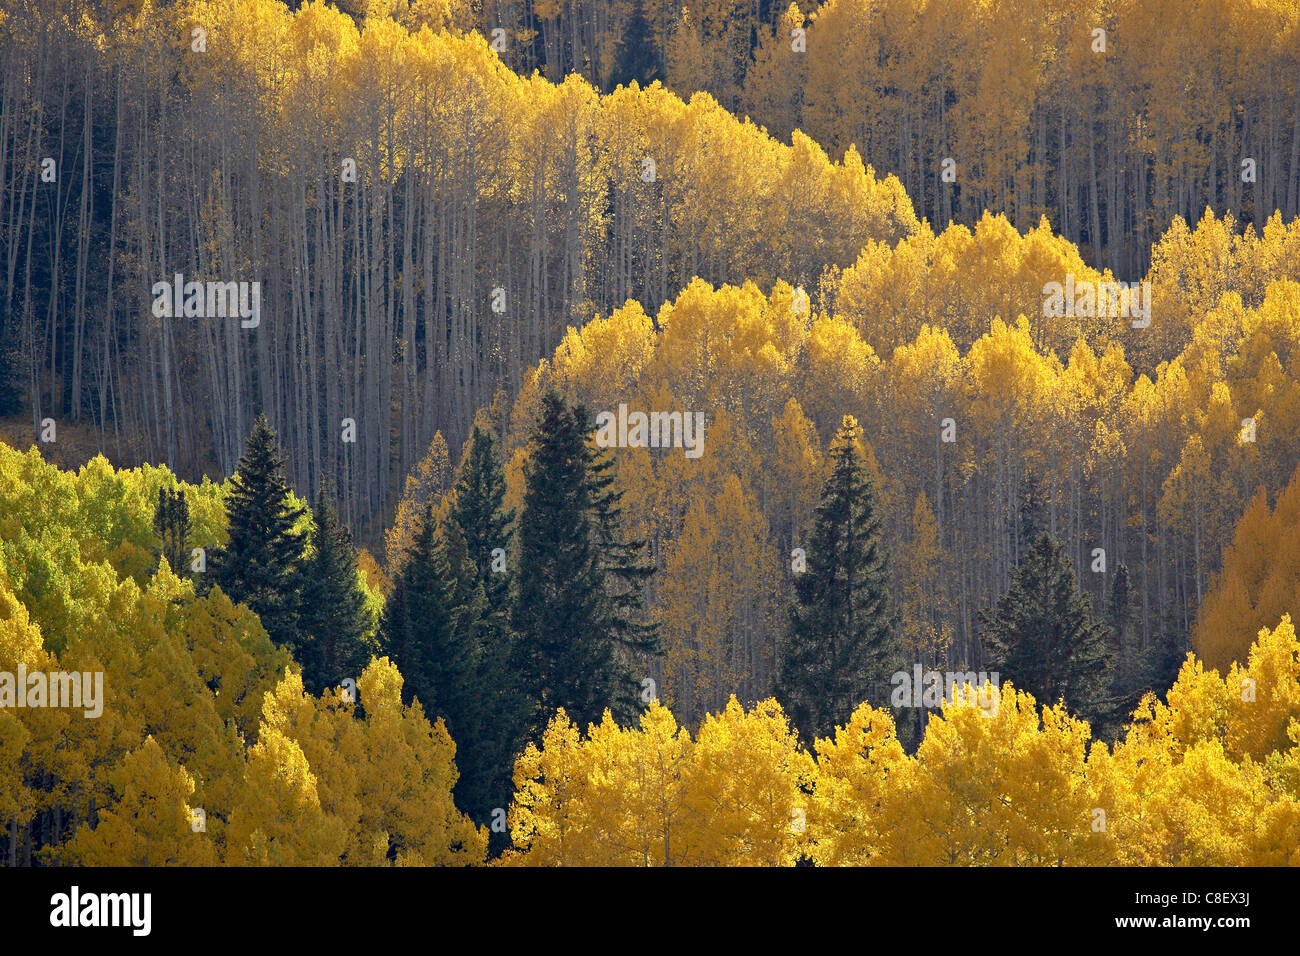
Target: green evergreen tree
column 841, row 644
column 485, row 709
column 578, row 584
column 478, row 510
column 431, row 625
column 332, row 625
column 260, row 564
column 625, row 572
column 478, row 517
column 638, row 57
column 1127, row 680
column 1160, row 663
column 1042, row 637
column 171, row 522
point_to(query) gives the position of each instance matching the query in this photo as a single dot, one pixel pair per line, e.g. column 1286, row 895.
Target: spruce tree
column 1042, row 637
column 578, row 584
column 484, row 709
column 478, row 510
column 1127, row 683
column 1119, row 619
column 478, row 516
column 171, row 522
column 438, row 630
column 638, row 57
column 841, row 644
column 1160, row 663
column 430, row 626
column 259, row 566
column 625, row 572
column 331, row 643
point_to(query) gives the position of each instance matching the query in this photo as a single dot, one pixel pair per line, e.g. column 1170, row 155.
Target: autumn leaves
column 1196, row 782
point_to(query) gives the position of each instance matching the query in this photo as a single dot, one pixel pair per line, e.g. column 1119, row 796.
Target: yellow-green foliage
column 201, row 712
column 194, row 703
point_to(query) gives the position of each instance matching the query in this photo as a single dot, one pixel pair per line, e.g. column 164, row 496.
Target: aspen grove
column 633, row 433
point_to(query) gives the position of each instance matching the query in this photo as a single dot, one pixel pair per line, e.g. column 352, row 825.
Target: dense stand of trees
column 976, row 447
column 907, row 459
column 1110, row 138
column 423, row 222
column 485, row 654
column 377, row 295
column 210, row 750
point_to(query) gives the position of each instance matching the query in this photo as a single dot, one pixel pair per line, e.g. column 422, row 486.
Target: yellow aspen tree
column 1219, row 742
column 748, row 789
column 775, row 79
column 21, row 731
column 1224, row 624
column 795, row 464
column 926, row 635
column 995, row 785
column 1177, row 810
column 547, row 822
column 636, row 790
column 332, row 741
column 717, row 607
column 151, row 821
column 843, row 371
column 278, row 820
column 859, row 801
column 230, row 648
column 1263, row 694
column 407, row 780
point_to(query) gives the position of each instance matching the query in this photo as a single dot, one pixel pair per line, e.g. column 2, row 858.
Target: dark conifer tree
column 578, row 584
column 437, row 628
column 428, row 629
column 478, row 510
column 841, row 645
column 638, row 57
column 260, row 564
column 484, row 709
column 479, row 519
column 1161, row 662
column 331, row 643
column 1042, row 637
column 1119, row 618
column 1126, row 679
